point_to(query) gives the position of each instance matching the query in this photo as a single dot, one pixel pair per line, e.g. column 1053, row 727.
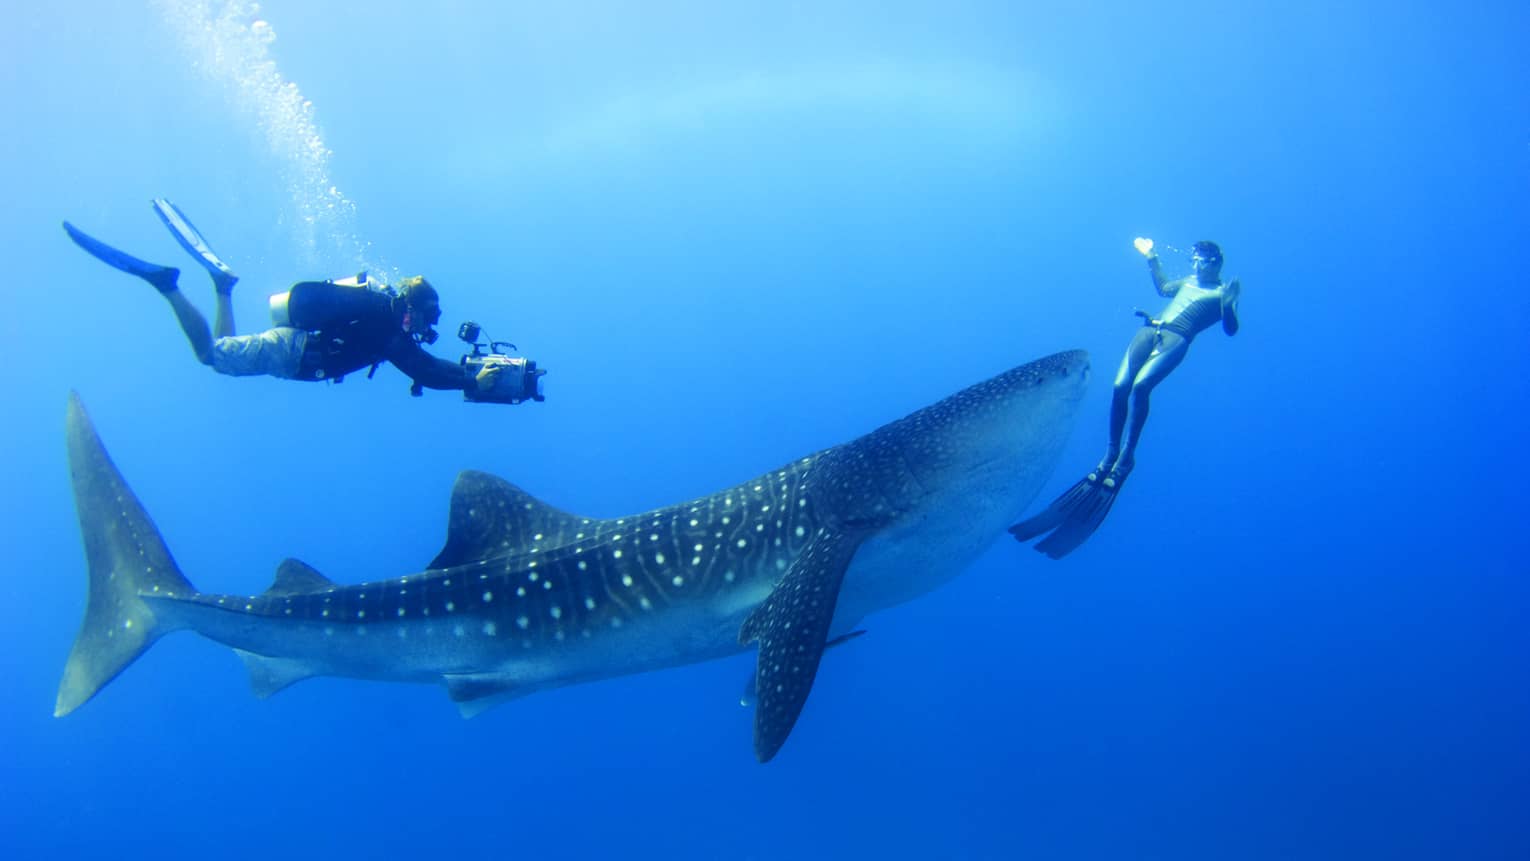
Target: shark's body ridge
column 525, row 597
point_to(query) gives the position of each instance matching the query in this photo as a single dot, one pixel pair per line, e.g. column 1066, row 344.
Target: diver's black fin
column 1054, row 514
column 1073, row 516
column 1082, row 520
column 191, row 239
column 162, row 277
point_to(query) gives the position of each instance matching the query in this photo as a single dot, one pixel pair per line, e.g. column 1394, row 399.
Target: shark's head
column 999, row 439
column 1004, row 435
column 935, row 488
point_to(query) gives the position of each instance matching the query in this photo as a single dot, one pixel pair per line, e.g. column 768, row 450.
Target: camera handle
column 469, row 332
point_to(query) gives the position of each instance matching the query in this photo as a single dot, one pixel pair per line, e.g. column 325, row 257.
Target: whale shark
column 524, row 597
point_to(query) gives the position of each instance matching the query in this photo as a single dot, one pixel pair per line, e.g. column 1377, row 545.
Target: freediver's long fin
column 191, row 239
column 1054, row 514
column 1073, row 516
column 162, row 277
column 1080, row 523
column 1084, row 517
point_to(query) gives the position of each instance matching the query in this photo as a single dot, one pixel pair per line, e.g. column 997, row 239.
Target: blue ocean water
column 736, row 233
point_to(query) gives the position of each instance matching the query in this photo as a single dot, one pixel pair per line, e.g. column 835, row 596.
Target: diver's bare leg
column 223, row 322
column 193, row 324
column 1165, row 359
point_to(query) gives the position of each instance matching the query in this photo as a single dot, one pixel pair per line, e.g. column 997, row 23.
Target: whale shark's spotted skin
column 525, row 597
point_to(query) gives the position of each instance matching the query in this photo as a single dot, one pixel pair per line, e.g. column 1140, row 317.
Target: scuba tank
column 312, row 304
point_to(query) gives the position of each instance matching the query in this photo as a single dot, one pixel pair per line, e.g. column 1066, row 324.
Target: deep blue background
column 738, row 234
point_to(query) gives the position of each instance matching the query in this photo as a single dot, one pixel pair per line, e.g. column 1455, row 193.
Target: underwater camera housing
column 518, row 380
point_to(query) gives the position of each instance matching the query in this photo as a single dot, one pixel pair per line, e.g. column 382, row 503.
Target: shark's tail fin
column 127, row 560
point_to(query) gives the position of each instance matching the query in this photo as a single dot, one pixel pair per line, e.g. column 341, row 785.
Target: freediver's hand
column 487, row 375
column 1232, row 291
column 1143, row 245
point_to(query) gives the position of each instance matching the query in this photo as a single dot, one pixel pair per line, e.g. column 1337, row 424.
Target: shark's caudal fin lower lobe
column 127, row 560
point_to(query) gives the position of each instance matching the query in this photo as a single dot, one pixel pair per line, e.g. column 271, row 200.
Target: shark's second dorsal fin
column 295, row 577
column 492, row 517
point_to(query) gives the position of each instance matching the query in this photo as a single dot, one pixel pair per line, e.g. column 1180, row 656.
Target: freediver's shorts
column 274, row 352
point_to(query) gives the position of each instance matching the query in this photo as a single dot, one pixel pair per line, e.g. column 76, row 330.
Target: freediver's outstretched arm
column 1230, row 295
column 1164, row 286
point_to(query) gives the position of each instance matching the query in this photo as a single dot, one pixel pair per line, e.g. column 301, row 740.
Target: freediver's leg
column 1171, row 351
column 1137, row 353
column 1075, row 515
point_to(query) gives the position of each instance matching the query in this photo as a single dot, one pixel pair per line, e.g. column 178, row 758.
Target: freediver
column 1196, row 302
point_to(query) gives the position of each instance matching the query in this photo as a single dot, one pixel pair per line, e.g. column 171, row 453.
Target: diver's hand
column 1231, row 292
column 487, row 375
column 1143, row 245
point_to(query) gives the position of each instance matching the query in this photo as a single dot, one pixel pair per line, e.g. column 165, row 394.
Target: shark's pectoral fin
column 269, row 675
column 476, row 693
column 747, row 698
column 792, row 627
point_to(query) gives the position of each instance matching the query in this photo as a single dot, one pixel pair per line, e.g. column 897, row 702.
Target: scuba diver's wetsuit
column 350, row 328
column 326, row 330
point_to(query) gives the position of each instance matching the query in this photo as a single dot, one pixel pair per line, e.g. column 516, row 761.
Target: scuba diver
column 1196, row 302
column 323, row 329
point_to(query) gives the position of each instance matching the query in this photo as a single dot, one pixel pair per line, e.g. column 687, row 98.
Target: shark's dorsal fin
column 793, row 629
column 269, row 675
column 295, row 577
column 492, row 517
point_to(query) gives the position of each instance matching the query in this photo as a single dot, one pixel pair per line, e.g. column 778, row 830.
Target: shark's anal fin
column 269, row 675
column 792, row 627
